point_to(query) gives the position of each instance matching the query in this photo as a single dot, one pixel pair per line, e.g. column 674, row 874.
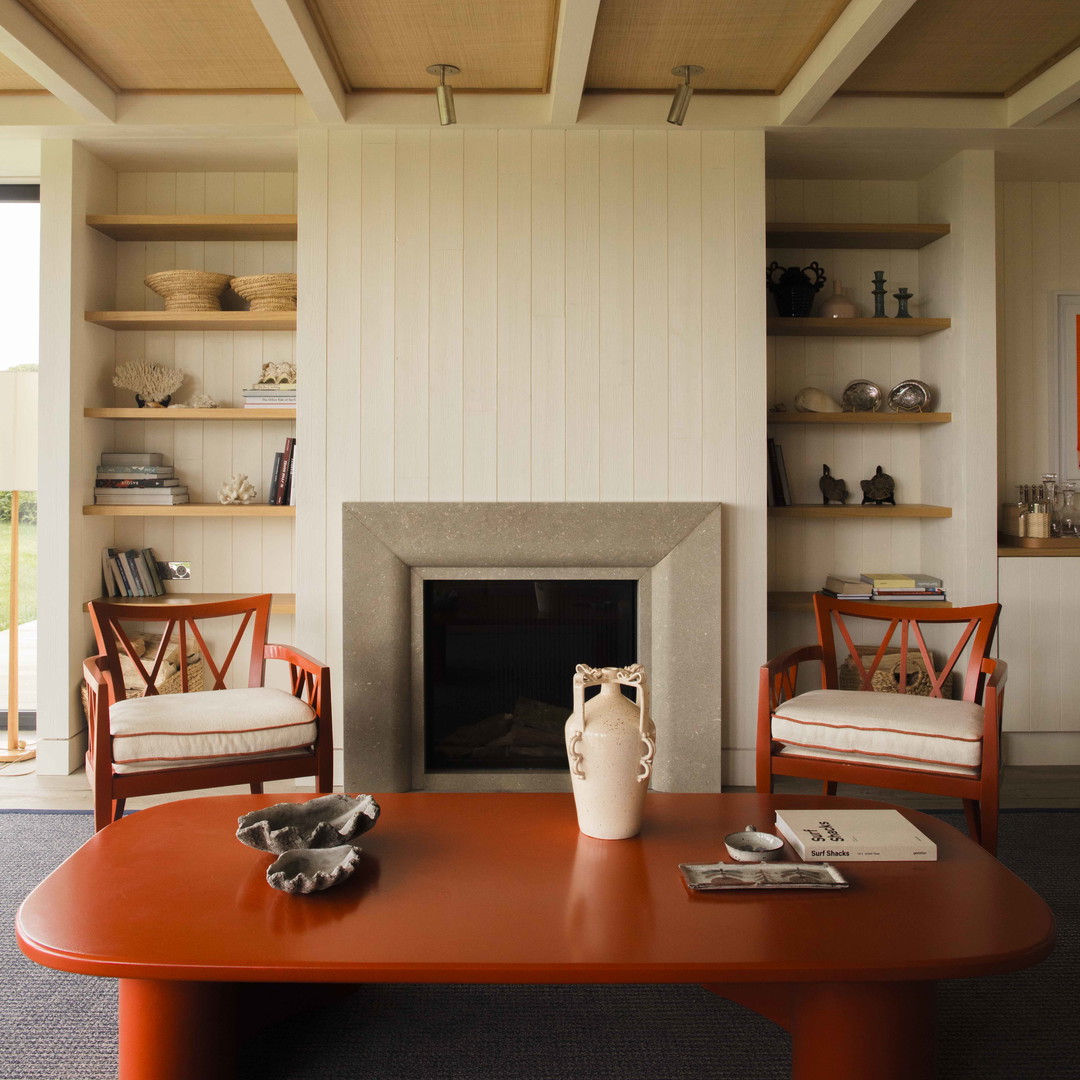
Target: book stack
column 900, row 588
column 281, row 476
column 844, row 587
column 137, row 479
column 270, row 396
column 131, row 573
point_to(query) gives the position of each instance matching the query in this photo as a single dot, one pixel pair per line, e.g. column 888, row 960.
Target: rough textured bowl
column 189, row 290
column 267, row 292
column 308, row 870
column 324, row 822
column 753, row 846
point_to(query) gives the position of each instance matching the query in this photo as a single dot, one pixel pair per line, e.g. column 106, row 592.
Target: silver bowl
column 753, row 846
column 323, row 822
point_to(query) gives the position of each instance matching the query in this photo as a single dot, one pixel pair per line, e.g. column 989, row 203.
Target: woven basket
column 886, row 680
column 171, row 685
column 189, row 290
column 267, row 292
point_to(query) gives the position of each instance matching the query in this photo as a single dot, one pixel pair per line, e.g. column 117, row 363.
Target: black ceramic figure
column 794, row 292
column 879, row 294
column 878, row 489
column 833, row 489
column 902, row 297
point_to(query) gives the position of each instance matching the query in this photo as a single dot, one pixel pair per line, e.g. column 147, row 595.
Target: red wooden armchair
column 899, row 740
column 154, row 742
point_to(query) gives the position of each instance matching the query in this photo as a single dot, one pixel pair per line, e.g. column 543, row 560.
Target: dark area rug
column 59, row 1026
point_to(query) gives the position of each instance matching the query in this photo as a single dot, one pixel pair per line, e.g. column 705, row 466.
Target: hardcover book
column 881, row 580
column 854, row 836
column 135, row 458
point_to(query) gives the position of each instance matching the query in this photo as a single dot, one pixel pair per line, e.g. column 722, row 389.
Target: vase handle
column 575, row 757
column 645, row 764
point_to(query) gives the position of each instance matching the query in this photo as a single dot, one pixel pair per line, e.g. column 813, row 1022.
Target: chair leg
column 974, row 819
column 324, row 776
column 764, row 775
column 118, row 809
column 256, row 787
column 988, row 819
column 828, row 787
column 103, row 808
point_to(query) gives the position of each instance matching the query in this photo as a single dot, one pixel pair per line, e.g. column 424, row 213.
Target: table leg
column 862, row 1031
column 176, row 1030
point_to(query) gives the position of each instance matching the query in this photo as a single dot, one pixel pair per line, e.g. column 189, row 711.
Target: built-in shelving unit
column 195, row 226
column 861, row 327
column 852, row 236
column 251, row 510
column 193, row 320
column 871, row 510
column 873, row 419
column 190, row 414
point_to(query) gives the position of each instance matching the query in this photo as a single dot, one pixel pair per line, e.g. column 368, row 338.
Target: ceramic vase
column 838, row 306
column 611, row 743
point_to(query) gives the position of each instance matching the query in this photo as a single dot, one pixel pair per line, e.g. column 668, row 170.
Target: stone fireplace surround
column 388, row 549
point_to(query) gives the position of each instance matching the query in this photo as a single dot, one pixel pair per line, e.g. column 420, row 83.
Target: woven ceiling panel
column 13, row 79
column 970, row 46
column 742, row 45
column 387, row 44
column 181, row 45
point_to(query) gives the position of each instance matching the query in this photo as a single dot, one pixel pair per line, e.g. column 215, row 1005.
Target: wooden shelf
column 193, row 320
column 862, row 327
column 804, row 601
column 282, row 604
column 191, row 510
column 195, row 226
column 871, row 418
column 1027, row 547
column 799, row 235
column 819, row 510
column 190, row 414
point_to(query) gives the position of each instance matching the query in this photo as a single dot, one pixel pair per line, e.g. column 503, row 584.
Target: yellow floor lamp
column 18, row 472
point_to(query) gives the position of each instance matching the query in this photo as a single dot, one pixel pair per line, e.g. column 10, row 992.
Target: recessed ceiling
column 185, row 45
column 966, row 47
column 388, row 44
column 744, row 46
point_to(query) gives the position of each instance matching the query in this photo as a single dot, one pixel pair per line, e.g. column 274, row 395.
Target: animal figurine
column 879, row 489
column 833, row 489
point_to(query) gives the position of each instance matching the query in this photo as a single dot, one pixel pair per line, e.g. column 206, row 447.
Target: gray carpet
column 58, row 1026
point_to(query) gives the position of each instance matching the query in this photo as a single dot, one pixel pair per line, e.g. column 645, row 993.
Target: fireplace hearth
column 395, row 552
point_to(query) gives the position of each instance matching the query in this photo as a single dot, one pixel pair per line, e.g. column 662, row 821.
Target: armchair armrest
column 792, row 658
column 998, row 671
column 776, row 682
column 295, row 657
column 309, row 677
column 99, row 741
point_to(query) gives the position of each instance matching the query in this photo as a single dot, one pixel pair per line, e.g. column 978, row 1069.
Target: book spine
column 851, row 852
column 281, row 495
column 120, row 570
column 156, row 483
column 133, row 573
column 782, row 470
column 106, row 572
column 275, row 476
column 291, row 481
column 134, row 470
column 108, row 458
column 774, row 475
column 151, row 565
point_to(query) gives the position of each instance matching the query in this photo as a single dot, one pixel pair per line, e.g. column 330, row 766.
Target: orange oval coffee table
column 504, row 889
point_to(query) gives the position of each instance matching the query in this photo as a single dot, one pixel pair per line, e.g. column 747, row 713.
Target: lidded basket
column 189, row 290
column 267, row 292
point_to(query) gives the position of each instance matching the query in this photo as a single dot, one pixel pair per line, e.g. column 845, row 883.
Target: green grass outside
column 27, row 572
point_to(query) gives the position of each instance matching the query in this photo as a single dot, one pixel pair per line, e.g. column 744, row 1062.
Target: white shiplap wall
column 539, row 316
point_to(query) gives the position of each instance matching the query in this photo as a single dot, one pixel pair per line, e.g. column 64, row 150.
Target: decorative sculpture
column 277, row 374
column 833, row 489
column 879, row 489
column 811, row 399
column 152, row 384
column 237, row 490
column 879, row 294
column 198, row 401
column 902, row 296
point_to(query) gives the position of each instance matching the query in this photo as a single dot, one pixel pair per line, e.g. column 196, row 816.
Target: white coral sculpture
column 152, row 383
column 237, row 490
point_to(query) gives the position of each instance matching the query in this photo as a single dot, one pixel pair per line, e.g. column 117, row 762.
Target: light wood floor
column 1050, row 786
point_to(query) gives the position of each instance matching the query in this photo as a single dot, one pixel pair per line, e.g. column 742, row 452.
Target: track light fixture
column 443, row 93
column 681, row 102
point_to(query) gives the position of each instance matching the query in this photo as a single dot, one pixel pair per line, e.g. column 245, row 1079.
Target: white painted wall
column 539, row 316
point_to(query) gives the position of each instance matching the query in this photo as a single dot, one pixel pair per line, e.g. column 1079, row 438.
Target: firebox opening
column 499, row 659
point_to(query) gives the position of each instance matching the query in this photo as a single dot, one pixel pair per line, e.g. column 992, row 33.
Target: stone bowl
column 323, row 822
column 308, row 870
column 753, row 846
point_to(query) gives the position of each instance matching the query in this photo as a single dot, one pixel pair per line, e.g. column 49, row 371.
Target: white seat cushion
column 897, row 729
column 208, row 728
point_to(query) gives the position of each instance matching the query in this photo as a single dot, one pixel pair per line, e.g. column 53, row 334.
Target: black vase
column 794, row 292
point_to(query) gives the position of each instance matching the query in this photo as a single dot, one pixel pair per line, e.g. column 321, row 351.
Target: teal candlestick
column 879, row 294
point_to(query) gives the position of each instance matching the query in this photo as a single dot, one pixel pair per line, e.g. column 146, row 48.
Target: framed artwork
column 1064, row 411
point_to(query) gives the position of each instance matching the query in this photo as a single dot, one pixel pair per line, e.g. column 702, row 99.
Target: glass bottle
column 1053, row 499
column 1070, row 511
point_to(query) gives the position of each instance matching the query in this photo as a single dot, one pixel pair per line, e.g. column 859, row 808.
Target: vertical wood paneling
column 617, row 444
column 548, row 372
column 583, row 391
column 651, row 362
column 445, row 379
column 377, row 258
column 515, row 317
column 480, row 316
column 411, row 269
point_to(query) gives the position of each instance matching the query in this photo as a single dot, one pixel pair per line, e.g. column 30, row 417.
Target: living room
column 559, row 298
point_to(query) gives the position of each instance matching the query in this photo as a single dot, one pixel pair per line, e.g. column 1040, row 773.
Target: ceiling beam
column 573, row 44
column 1047, row 94
column 293, row 31
column 861, row 27
column 27, row 43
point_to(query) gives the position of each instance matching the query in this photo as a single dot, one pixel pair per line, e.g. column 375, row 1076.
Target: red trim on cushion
column 855, row 727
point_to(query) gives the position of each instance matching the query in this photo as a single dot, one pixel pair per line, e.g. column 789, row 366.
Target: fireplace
column 403, row 558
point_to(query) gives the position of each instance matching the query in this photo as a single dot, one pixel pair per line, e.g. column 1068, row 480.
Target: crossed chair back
column 903, row 630
column 196, row 630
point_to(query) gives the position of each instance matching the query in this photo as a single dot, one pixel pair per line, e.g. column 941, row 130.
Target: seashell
column 324, row 822
column 236, row 490
column 811, row 399
column 911, row 395
column 308, row 870
column 861, row 395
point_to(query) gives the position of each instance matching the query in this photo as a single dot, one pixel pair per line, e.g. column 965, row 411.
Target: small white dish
column 753, row 846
